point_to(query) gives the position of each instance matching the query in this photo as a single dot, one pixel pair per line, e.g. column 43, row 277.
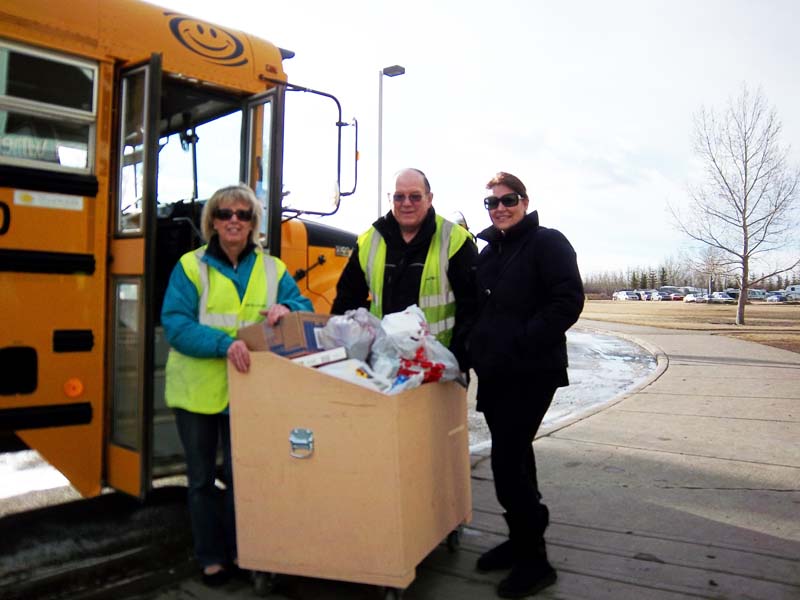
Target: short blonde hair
column 227, row 195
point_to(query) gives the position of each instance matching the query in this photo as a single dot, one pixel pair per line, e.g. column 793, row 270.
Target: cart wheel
column 263, row 583
column 454, row 540
column 392, row 594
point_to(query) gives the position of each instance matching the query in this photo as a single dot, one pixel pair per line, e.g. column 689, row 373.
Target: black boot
column 528, row 577
column 498, row 558
column 531, row 571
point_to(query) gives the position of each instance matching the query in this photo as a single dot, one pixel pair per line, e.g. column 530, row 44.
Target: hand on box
column 275, row 312
column 239, row 356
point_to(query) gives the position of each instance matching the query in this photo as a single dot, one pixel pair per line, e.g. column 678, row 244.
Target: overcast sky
column 590, row 103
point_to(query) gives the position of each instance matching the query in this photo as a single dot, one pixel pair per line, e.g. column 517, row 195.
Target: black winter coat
column 530, row 293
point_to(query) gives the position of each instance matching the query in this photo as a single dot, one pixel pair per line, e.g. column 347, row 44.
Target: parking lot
column 773, row 324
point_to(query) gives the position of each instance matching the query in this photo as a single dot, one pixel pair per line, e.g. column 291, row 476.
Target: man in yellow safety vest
column 414, row 256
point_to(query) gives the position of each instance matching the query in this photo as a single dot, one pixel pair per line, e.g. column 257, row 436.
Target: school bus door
column 131, row 327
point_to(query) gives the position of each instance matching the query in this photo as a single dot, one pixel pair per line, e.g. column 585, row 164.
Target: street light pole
column 392, row 71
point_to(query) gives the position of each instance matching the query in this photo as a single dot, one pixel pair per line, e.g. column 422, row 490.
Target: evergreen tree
column 634, row 279
column 662, row 278
column 643, row 281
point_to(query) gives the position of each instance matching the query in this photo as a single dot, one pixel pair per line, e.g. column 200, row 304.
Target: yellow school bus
column 118, row 118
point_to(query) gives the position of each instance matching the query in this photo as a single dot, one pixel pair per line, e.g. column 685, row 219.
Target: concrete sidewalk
column 686, row 487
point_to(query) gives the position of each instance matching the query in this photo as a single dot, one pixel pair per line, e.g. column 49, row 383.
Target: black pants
column 211, row 510
column 514, row 411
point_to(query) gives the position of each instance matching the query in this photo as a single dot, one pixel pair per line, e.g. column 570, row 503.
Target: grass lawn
column 775, row 324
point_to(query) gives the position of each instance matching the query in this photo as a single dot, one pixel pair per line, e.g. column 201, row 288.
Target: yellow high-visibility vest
column 200, row 385
column 436, row 298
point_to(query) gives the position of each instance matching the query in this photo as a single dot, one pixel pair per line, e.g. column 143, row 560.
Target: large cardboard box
column 294, row 334
column 385, row 480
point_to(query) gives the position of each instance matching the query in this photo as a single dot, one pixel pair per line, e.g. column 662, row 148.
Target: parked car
column 625, row 295
column 792, row 292
column 674, row 296
column 657, row 296
column 699, row 298
column 692, row 290
column 721, row 298
column 777, row 297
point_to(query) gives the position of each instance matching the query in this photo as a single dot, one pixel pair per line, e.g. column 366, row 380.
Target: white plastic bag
column 401, row 335
column 355, row 330
column 407, row 350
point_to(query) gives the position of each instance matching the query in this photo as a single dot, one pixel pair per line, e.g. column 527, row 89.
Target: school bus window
column 198, row 148
column 46, row 80
column 261, row 118
column 127, row 384
column 216, row 149
column 30, row 138
column 47, row 110
column 132, row 154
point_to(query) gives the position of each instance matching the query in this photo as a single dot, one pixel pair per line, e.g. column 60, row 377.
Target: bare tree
column 675, row 270
column 712, row 265
column 745, row 206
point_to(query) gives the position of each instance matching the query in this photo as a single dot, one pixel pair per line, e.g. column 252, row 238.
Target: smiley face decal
column 209, row 41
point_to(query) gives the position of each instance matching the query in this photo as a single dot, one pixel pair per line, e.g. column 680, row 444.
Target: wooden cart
column 337, row 481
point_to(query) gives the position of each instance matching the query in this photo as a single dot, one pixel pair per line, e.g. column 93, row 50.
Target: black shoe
column 239, row 573
column 526, row 579
column 216, row 579
column 499, row 557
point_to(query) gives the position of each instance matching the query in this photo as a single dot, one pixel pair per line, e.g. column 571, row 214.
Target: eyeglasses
column 413, row 197
column 226, row 214
column 508, row 201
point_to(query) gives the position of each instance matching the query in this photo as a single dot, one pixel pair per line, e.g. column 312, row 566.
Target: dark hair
column 424, row 178
column 508, row 180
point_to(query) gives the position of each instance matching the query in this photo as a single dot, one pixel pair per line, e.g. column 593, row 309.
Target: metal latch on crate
column 301, row 441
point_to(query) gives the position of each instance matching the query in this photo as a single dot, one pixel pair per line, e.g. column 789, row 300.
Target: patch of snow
column 25, row 471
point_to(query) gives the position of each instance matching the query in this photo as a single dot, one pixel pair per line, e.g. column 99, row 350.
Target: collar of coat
column 214, row 249
column 493, row 234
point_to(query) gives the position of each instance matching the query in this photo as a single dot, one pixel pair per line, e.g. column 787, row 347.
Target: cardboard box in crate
column 384, row 481
column 295, row 334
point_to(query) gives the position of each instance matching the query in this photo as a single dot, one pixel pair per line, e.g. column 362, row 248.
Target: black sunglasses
column 414, row 197
column 226, row 214
column 509, row 200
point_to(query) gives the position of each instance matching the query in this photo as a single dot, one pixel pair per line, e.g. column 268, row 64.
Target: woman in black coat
column 531, row 293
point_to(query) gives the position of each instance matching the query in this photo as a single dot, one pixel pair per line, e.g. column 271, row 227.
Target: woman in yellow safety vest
column 213, row 291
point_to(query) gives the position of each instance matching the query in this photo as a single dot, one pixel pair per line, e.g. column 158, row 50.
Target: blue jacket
column 181, row 304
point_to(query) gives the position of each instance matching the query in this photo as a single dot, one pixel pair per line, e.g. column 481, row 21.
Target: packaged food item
column 358, row 372
column 323, row 357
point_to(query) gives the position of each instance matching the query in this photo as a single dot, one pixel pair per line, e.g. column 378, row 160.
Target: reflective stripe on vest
column 436, row 298
column 201, row 384
column 231, row 320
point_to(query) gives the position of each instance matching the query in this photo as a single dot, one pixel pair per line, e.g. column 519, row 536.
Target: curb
column 662, row 363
